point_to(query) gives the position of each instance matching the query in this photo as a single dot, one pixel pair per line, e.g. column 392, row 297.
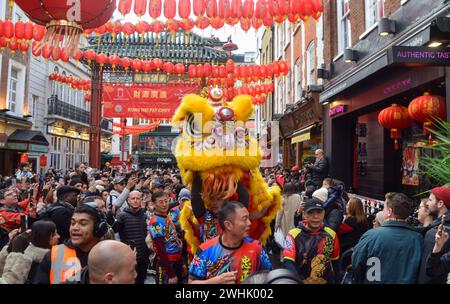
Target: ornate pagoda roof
column 181, row 47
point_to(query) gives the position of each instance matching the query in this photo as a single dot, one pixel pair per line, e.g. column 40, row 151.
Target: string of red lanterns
column 74, row 82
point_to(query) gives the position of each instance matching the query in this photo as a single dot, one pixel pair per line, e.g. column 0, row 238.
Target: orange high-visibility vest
column 65, row 264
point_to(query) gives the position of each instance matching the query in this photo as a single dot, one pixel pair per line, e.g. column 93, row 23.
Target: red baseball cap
column 442, row 194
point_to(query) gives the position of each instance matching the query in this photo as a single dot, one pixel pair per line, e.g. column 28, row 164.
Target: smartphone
column 23, row 223
column 441, row 226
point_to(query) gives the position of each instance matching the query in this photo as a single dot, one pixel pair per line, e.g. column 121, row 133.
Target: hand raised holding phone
column 441, row 237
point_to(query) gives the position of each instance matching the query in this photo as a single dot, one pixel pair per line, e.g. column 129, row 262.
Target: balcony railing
column 66, row 110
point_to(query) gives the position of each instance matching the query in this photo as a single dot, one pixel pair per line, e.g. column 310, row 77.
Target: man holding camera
column 318, row 170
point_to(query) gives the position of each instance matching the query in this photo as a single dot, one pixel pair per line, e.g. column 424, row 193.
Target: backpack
column 45, row 213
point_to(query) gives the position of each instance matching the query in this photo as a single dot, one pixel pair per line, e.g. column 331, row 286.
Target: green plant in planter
column 436, row 159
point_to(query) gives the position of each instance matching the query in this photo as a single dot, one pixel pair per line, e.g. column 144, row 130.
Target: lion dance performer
column 219, row 160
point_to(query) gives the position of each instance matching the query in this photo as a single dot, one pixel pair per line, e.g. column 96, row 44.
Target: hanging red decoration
column 284, row 68
column 88, row 54
column 140, row 7
column 222, row 71
column 24, row 157
column 8, row 30
column 215, row 71
column 191, row 71
column 125, row 63
column 19, row 30
column 187, row 25
column 184, row 9
column 172, row 26
column 395, row 118
column 248, row 9
column 147, row 66
column 256, row 23
column 170, row 9
column 168, row 67
column 426, row 109
column 224, row 9
column 199, row 71
column 158, row 63
column 13, row 45
column 29, row 28
column 136, row 65
column 78, row 55
column 101, row 59
column 64, row 55
column 217, row 23
column 43, row 161
column 260, row 9
column 245, row 24
column 24, row 46
column 207, row 69
column 67, row 18
column 87, row 97
column 232, row 21
column 155, row 8
column 211, row 8
column 199, row 8
column 230, row 80
column 202, row 23
column 125, row 7
column 236, row 9
column 128, row 28
column 230, row 66
column 38, row 32
column 317, row 8
column 180, row 68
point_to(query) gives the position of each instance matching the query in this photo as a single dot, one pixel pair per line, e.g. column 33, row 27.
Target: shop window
column 344, row 27
column 310, row 66
column 374, row 11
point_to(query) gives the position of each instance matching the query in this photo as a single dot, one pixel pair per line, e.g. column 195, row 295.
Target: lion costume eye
column 193, row 129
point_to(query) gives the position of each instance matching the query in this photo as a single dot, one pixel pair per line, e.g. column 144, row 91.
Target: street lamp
column 229, row 47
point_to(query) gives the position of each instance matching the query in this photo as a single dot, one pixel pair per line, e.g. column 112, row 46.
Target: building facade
column 369, row 66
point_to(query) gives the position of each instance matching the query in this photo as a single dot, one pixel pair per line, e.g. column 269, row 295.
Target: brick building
column 366, row 72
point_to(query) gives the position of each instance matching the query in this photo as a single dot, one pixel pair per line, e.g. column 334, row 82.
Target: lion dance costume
column 216, row 145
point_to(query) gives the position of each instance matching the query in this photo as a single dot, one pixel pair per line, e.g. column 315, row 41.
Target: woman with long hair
column 354, row 225
column 26, row 252
column 290, row 202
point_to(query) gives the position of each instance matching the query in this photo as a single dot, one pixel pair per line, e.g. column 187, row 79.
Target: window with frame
column 288, row 32
column 70, row 154
column 297, row 80
column 374, row 11
column 13, row 82
column 310, row 64
column 288, row 88
column 62, row 94
column 344, row 26
column 55, row 155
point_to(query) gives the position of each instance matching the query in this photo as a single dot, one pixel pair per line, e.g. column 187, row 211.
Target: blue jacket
column 388, row 255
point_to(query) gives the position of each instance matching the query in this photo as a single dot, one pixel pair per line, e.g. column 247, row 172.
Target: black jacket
column 428, row 245
column 61, row 213
column 351, row 237
column 42, row 275
column 319, row 172
column 132, row 228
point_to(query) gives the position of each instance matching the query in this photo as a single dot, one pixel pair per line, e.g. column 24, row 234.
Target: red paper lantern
column 142, row 27
column 64, row 55
column 180, row 68
column 245, row 24
column 260, row 9
column 284, row 68
column 230, row 66
column 191, row 71
column 140, row 7
column 395, row 118
column 38, row 32
column 199, row 71
column 13, row 45
column 147, row 66
column 125, row 7
column 256, row 23
column 215, row 71
column 3, row 43
column 113, row 60
column 137, row 64
column 222, row 71
column 187, row 25
column 184, row 8
column 67, row 18
column 172, row 26
column 24, row 157
column 426, row 109
column 211, row 8
column 224, row 9
column 19, row 30
column 168, row 67
column 87, row 97
column 101, row 59
column 317, row 8
column 170, row 9
column 248, row 9
column 155, row 8
column 125, row 63
column 276, row 68
column 230, row 80
column 232, row 21
column 128, row 28
column 236, row 9
column 157, row 26
column 267, row 18
column 43, row 161
column 24, row 46
column 207, row 69
column 199, row 8
column 202, row 23
column 307, row 8
column 217, row 23
column 158, row 63
column 273, row 7
column 29, row 28
column 8, row 30
column 78, row 55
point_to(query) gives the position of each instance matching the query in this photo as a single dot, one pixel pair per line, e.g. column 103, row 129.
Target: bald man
column 112, row 262
column 319, row 171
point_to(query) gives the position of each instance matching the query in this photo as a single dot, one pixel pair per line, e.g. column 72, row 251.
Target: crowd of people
column 92, row 226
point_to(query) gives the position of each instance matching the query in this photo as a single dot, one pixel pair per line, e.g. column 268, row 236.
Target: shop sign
column 158, row 160
column 419, row 54
column 17, row 146
column 38, row 148
column 300, row 138
column 337, row 110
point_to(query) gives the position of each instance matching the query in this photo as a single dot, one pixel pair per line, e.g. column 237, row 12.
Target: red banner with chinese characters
column 153, row 101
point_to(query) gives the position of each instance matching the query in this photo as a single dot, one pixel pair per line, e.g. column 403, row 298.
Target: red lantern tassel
column 396, row 144
column 430, row 140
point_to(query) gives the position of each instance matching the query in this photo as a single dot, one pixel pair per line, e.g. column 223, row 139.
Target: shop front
column 301, row 130
column 155, row 148
column 362, row 152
